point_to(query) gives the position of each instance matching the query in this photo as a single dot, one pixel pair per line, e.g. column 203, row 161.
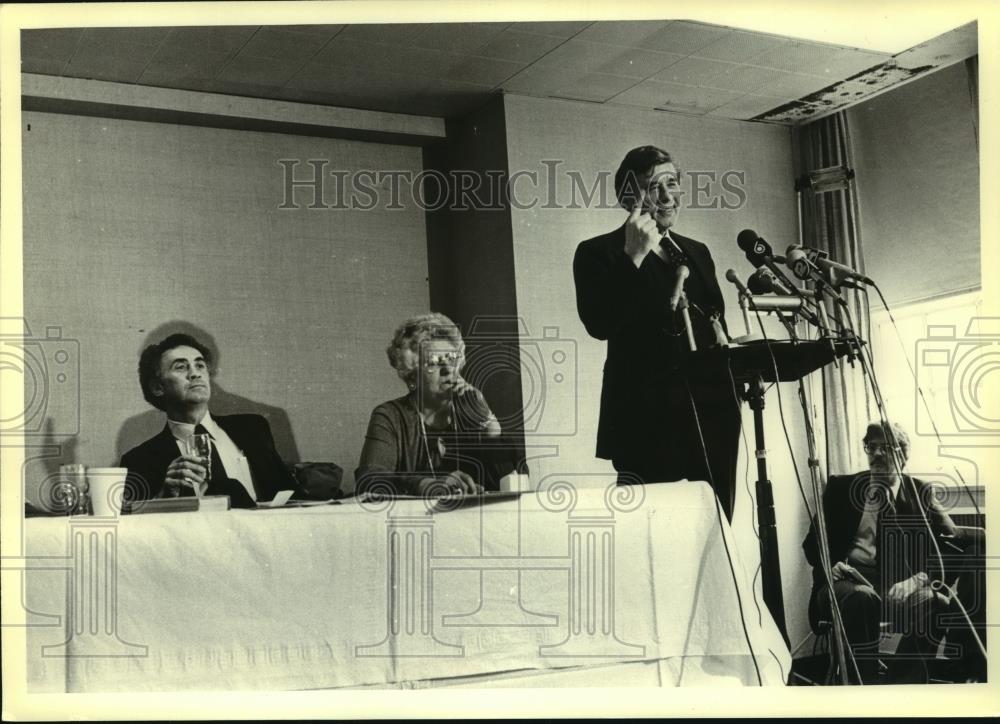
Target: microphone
column 836, row 273
column 800, row 264
column 744, row 294
column 759, row 253
column 731, row 276
column 763, row 281
column 780, row 304
column 679, row 276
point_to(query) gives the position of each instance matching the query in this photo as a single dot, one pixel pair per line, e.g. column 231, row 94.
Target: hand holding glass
column 200, row 446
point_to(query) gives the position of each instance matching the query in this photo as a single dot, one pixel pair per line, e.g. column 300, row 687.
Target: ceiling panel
column 740, row 46
column 173, row 66
column 482, row 71
column 282, row 44
column 519, row 47
column 694, row 71
column 746, row 78
column 793, row 85
column 442, row 69
column 57, row 44
column 746, row 106
column 217, row 38
column 558, row 29
column 119, row 62
column 594, row 87
column 271, row 72
column 655, row 94
column 628, row 33
column 391, row 33
column 684, row 37
column 459, row 37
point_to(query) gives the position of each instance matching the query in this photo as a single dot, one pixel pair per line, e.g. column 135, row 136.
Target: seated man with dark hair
column 883, row 559
column 175, row 377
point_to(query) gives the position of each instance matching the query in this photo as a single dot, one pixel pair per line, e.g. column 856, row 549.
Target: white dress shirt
column 234, row 461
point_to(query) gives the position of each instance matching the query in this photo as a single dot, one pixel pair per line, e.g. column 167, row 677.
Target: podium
column 754, row 364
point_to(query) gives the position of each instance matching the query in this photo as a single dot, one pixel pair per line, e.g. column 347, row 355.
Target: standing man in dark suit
column 656, row 423
column 882, row 556
column 175, row 377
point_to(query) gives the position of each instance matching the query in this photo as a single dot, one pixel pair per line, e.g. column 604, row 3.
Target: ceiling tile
column 740, row 46
column 482, row 71
column 629, row 33
column 118, row 62
column 262, row 71
column 957, row 44
column 218, row 38
column 358, row 55
column 541, row 80
column 683, row 37
column 446, row 98
column 315, row 76
column 594, row 87
column 612, row 59
column 746, row 107
column 135, row 36
column 792, row 85
column 518, row 47
column 391, row 33
column 694, row 71
column 54, row 44
column 654, row 94
column 846, row 63
column 326, row 31
column 560, row 30
column 746, row 78
column 282, row 44
column 43, row 66
column 796, row 56
column 458, row 37
column 171, row 65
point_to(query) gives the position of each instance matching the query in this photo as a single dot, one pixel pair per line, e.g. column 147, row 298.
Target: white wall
column 917, row 165
column 130, row 226
column 590, row 139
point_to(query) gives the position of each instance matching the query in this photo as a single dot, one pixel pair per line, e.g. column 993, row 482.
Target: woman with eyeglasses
column 438, row 438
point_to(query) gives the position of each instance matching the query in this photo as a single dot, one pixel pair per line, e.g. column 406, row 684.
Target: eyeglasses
column 880, row 447
column 442, row 359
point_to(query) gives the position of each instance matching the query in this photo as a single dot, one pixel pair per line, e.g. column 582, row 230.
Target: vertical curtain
column 829, row 222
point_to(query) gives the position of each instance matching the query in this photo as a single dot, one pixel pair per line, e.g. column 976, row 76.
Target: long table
column 567, row 586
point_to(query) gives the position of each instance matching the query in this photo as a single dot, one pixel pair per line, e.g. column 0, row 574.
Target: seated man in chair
column 175, row 378
column 884, row 562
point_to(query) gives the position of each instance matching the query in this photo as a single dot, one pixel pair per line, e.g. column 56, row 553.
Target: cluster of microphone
column 770, row 288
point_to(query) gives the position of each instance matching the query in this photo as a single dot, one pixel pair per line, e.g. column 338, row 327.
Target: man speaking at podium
column 656, row 425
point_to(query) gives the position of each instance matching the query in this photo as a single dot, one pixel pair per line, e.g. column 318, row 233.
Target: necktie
column 672, row 252
column 218, row 473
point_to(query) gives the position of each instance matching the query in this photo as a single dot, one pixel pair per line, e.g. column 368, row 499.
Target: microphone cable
column 920, row 394
column 722, row 535
column 838, row 617
column 746, row 486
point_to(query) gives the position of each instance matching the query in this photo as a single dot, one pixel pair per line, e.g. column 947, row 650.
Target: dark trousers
column 865, row 608
column 672, row 440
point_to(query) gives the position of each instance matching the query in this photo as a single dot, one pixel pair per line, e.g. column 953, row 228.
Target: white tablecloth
column 346, row 596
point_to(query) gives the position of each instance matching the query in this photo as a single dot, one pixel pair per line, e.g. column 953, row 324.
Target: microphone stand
column 682, row 307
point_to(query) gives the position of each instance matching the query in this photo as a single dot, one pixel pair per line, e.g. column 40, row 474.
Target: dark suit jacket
column 628, row 307
column 147, row 463
column 843, row 504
